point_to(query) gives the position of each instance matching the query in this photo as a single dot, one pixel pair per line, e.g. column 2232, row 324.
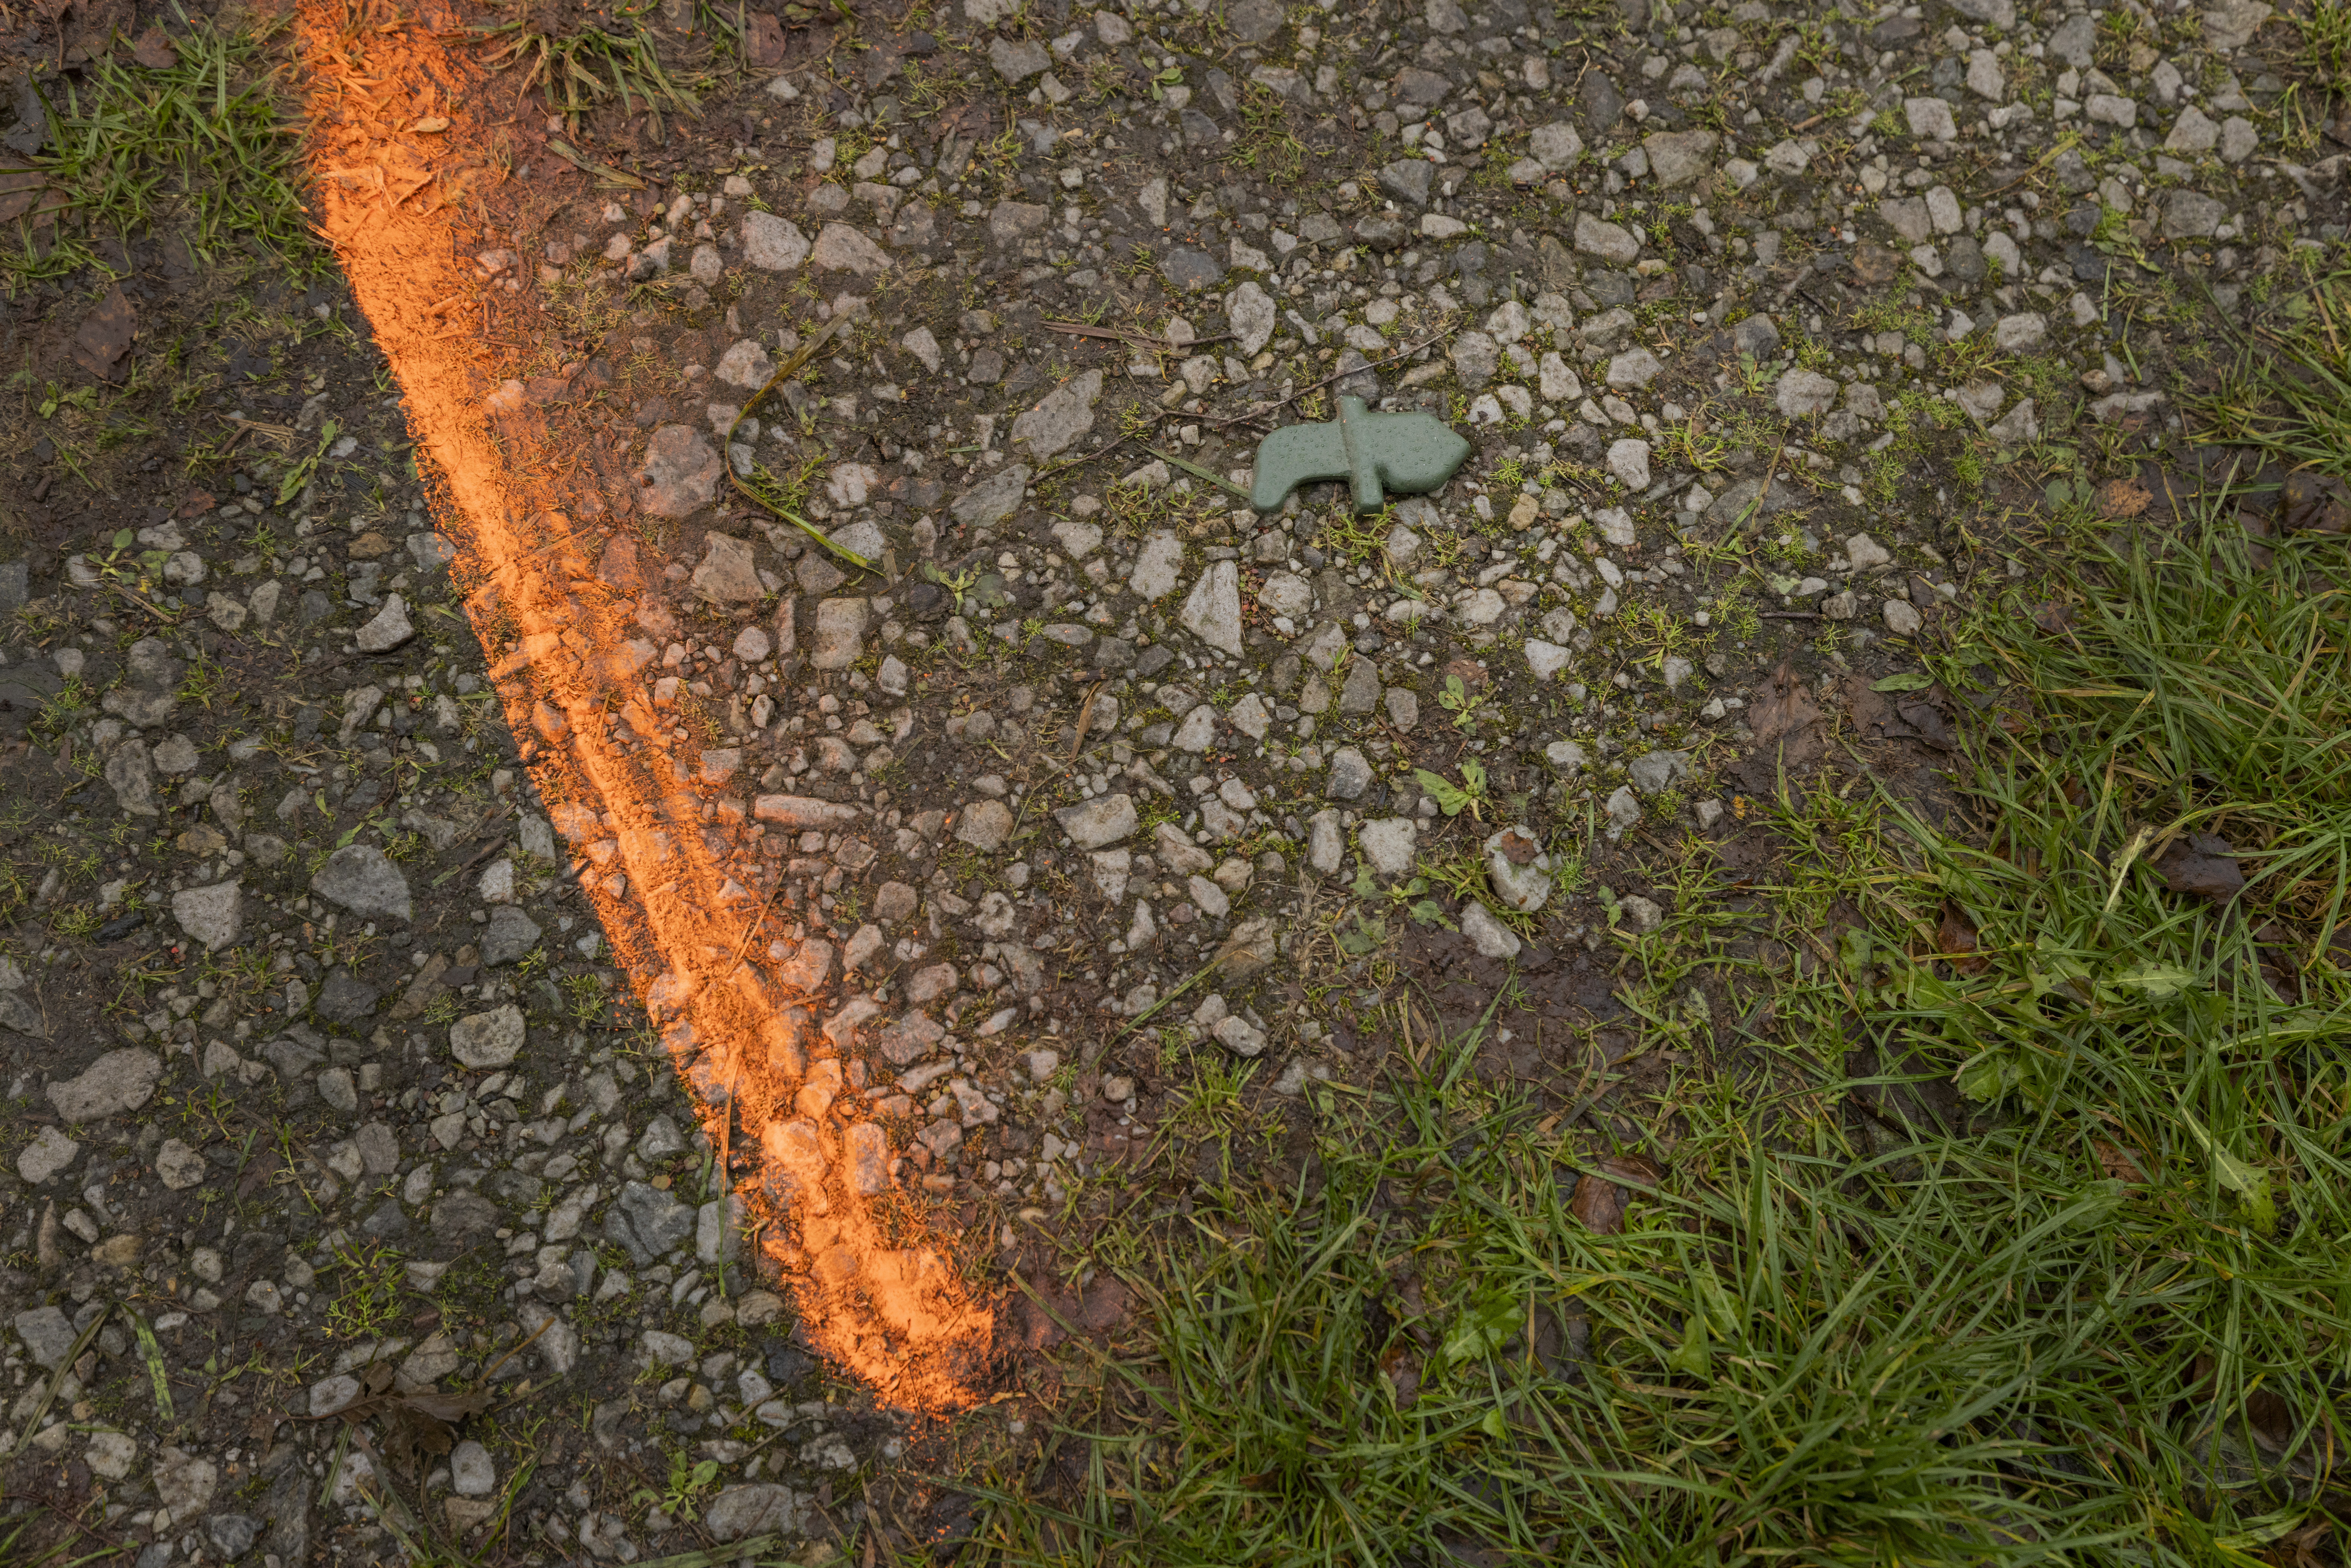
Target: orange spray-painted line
column 901, row 1319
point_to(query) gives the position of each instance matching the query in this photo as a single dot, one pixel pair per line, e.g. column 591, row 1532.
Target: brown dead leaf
column 2124, row 498
column 1874, row 263
column 2203, row 864
column 106, row 334
column 1786, row 723
column 2313, row 505
column 2053, row 617
column 1518, row 848
column 418, row 1423
column 2117, row 1162
column 2271, row 1418
column 1603, row 1192
column 763, row 43
column 155, row 51
column 1401, row 1368
column 1958, row 940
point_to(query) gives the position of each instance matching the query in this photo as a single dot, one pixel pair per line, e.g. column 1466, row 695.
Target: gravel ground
column 1767, row 324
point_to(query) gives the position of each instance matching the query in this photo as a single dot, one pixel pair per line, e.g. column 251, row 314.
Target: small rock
column 840, row 248
column 1657, row 770
column 490, row 1038
column 1097, row 824
column 388, row 630
column 755, row 1507
column 49, row 1335
column 233, row 1534
column 1680, row 157
column 509, row 936
column 1157, row 567
column 1629, row 462
column 1212, row 612
column 471, row 1472
column 1801, row 392
column 1519, row 869
column 1389, row 844
column 1489, row 936
column 1066, row 413
column 1900, row 618
column 773, row 244
column 211, row 915
column 985, row 825
column 1641, row 915
column 362, row 880
column 117, row 1082
column 49, row 1153
column 1349, row 775
column 728, row 573
column 840, row 634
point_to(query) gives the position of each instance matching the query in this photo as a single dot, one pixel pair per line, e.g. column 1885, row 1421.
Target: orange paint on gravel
column 900, row 1319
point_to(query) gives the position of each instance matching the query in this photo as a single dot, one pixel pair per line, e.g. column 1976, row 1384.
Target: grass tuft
column 203, row 146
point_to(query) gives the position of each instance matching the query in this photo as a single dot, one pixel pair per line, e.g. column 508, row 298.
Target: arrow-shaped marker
column 1409, row 454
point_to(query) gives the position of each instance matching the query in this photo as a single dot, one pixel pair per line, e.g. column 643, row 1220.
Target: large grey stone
column 1064, row 414
column 362, row 880
column 1800, row 392
column 388, row 629
column 755, row 1507
column 728, row 573
column 509, row 936
column 994, row 498
column 985, row 825
column 773, row 244
column 657, row 1222
column 49, row 1153
column 233, row 1534
column 1191, row 270
column 1250, row 313
column 1489, row 936
column 1008, row 223
column 130, row 772
column 2191, row 214
column 1610, row 242
column 681, row 471
column 1389, row 844
column 1158, row 567
column 1518, row 869
column 1349, row 776
column 47, row 1334
column 1096, row 823
column 1407, row 180
column 1018, row 59
column 119, row 1081
column 1678, row 156
column 212, row 915
column 1212, row 612
column 840, row 248
column 840, row 634
column 491, row 1039
column 1654, row 771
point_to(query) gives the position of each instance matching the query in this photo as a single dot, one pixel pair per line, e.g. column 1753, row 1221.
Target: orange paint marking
column 900, row 1319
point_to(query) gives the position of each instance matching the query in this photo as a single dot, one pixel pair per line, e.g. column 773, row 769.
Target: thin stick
column 1335, row 375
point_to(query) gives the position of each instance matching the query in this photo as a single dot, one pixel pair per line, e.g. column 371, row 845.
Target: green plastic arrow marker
column 1409, row 454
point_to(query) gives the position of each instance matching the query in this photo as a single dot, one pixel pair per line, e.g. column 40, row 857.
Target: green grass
column 2002, row 1204
column 577, row 71
column 2289, row 391
column 204, row 146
